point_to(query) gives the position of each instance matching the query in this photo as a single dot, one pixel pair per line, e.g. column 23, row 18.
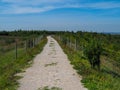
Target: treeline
column 8, row 37
column 21, row 33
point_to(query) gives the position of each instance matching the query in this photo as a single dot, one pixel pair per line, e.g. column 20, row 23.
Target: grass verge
column 92, row 79
column 9, row 67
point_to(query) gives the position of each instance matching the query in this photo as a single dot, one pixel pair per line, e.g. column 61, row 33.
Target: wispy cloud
column 29, row 6
column 25, row 10
column 38, row 6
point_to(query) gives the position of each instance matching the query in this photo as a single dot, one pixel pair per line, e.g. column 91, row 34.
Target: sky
column 65, row 15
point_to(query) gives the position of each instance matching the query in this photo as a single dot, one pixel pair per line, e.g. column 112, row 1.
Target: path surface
column 51, row 68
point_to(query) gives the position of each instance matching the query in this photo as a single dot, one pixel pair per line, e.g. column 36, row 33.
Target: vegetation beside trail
column 108, row 77
column 10, row 66
column 77, row 45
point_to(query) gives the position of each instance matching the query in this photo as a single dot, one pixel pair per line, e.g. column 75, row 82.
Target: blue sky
column 85, row 15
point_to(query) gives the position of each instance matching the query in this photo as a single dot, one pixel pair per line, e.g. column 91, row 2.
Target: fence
column 17, row 46
column 73, row 43
column 77, row 45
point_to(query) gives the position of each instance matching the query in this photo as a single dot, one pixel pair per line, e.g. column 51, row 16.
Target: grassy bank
column 106, row 79
column 9, row 66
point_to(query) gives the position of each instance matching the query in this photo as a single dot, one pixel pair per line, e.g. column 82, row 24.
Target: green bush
column 93, row 51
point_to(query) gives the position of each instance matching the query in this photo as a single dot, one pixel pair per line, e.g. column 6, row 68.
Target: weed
column 51, row 64
column 52, row 88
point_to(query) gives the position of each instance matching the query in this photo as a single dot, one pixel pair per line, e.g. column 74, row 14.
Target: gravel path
column 51, row 68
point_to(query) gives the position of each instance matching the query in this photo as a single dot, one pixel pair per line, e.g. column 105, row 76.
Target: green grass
column 106, row 79
column 9, row 66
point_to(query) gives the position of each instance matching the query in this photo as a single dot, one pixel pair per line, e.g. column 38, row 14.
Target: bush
column 93, row 51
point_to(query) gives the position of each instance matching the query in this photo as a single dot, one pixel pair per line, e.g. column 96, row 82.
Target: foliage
column 109, row 76
column 93, row 51
column 107, row 79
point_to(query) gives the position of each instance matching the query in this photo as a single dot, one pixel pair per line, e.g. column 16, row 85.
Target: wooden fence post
column 69, row 43
column 33, row 43
column 29, row 44
column 59, row 38
column 26, row 45
column 36, row 41
column 75, row 44
column 15, row 50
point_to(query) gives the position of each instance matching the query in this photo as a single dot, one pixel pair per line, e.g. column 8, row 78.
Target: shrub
column 93, row 51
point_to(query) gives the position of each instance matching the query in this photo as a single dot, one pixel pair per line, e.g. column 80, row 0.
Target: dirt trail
column 51, row 68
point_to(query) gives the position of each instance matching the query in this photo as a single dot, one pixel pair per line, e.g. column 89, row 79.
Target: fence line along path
column 51, row 68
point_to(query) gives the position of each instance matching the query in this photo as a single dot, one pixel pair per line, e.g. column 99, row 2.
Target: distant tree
column 93, row 51
column 4, row 33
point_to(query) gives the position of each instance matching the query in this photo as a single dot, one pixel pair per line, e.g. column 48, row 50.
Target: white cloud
column 25, row 10
column 37, row 6
column 31, row 6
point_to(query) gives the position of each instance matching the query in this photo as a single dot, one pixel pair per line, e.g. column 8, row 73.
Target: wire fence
column 17, row 46
column 78, row 46
column 73, row 43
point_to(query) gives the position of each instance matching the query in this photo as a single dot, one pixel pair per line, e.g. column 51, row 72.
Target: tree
column 93, row 51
